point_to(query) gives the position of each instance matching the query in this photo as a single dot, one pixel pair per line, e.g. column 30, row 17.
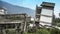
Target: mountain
column 13, row 9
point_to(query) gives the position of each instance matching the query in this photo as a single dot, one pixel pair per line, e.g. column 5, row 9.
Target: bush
column 55, row 31
column 41, row 31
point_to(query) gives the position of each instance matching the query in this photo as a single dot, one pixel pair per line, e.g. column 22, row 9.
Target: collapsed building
column 44, row 14
column 13, row 21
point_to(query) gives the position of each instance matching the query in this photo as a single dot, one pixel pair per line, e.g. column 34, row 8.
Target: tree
column 56, row 21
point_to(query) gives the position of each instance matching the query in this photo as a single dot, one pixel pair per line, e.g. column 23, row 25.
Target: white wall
column 47, row 12
column 46, row 19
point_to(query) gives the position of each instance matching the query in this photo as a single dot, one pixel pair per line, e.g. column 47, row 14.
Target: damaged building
column 44, row 14
column 13, row 21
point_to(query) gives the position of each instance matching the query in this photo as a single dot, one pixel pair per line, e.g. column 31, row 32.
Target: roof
column 48, row 4
column 12, row 14
column 17, row 14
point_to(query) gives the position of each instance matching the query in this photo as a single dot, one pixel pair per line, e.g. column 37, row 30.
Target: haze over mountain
column 13, row 9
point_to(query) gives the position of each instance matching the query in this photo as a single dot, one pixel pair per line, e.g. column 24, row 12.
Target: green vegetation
column 37, row 31
column 56, row 22
column 55, row 31
column 46, row 31
column 40, row 31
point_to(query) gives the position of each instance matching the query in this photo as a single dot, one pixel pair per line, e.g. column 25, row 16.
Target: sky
column 32, row 4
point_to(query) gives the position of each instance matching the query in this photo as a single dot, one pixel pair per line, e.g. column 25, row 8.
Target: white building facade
column 47, row 13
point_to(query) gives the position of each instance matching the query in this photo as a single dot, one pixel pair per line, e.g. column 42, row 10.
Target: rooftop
column 48, row 4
